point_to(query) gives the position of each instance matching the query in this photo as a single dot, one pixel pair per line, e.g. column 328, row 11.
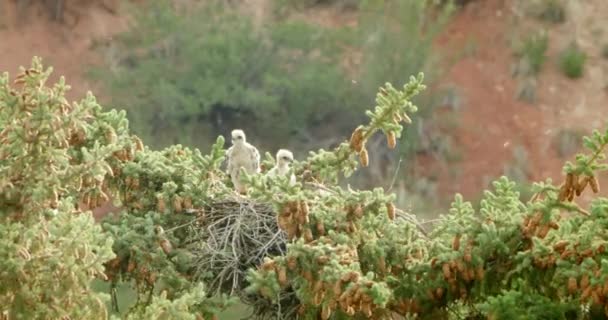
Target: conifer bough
column 343, row 253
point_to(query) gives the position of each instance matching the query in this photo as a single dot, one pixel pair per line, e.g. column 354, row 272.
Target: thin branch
column 395, row 175
column 412, row 219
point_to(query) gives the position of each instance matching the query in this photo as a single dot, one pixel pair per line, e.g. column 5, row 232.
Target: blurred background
column 512, row 84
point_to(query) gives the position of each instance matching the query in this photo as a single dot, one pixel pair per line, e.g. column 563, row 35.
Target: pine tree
column 50, row 250
column 58, row 160
column 310, row 250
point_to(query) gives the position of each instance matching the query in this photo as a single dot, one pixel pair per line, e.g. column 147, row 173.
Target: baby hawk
column 284, row 158
column 241, row 155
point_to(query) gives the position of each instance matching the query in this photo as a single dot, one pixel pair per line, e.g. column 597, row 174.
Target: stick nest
column 233, row 236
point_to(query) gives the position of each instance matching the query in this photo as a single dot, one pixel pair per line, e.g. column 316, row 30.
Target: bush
column 532, row 53
column 289, row 71
column 348, row 253
column 186, row 75
column 44, row 235
column 572, row 61
column 285, row 70
column 57, row 161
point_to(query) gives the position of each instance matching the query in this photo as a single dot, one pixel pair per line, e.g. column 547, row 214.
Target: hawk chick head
column 284, row 157
column 238, row 136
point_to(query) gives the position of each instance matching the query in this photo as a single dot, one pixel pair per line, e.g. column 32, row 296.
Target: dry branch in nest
column 236, row 235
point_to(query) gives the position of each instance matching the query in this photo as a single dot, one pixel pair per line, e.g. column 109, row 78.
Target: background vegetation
column 185, row 77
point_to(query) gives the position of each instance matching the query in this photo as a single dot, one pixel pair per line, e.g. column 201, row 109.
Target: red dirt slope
column 492, row 121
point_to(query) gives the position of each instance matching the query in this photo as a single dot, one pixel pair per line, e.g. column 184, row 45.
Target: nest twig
column 236, row 235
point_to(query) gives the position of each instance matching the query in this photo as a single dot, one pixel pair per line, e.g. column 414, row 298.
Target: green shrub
column 532, row 53
column 57, row 161
column 44, row 234
column 572, row 61
column 188, row 77
column 346, row 253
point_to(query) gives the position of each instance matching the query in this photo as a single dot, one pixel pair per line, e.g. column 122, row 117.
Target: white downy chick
column 241, row 155
column 284, row 160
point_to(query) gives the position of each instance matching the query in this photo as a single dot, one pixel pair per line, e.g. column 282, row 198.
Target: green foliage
column 588, row 164
column 43, row 235
column 532, row 53
column 396, row 38
column 392, row 107
column 35, row 255
column 57, row 160
column 155, row 187
column 189, row 76
column 572, row 61
column 350, row 259
column 212, row 64
column 526, row 305
column 349, row 253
